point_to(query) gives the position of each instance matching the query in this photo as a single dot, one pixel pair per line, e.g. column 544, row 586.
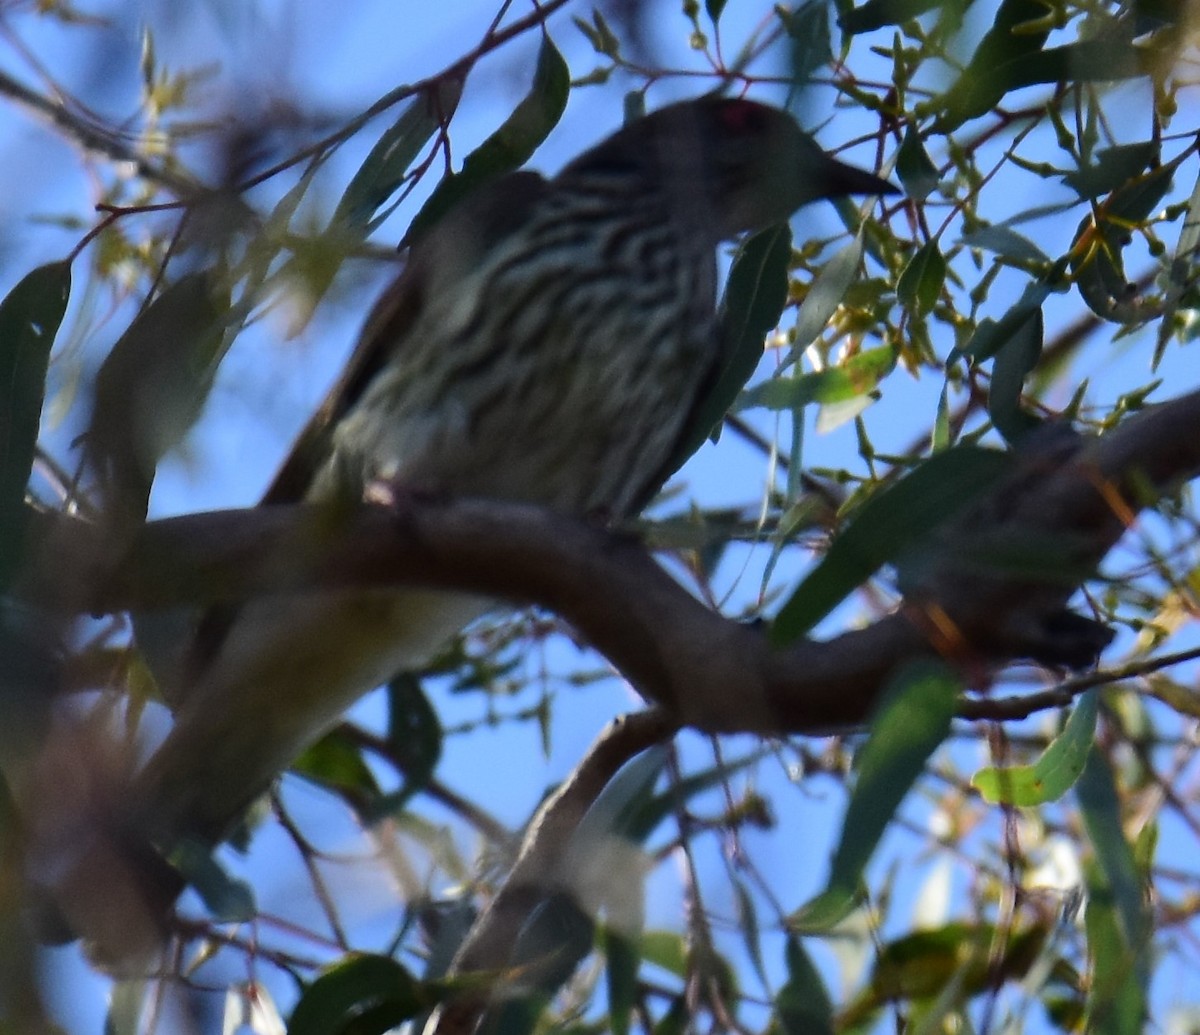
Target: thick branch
column 711, row 673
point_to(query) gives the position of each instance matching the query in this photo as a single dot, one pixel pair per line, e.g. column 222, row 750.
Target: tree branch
column 709, row 672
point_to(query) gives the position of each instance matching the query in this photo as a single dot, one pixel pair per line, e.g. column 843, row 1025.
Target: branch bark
column 709, row 672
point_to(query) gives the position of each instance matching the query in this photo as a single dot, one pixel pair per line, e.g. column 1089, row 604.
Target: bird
column 547, row 341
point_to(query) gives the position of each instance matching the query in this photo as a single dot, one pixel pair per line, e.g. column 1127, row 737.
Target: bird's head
column 752, row 163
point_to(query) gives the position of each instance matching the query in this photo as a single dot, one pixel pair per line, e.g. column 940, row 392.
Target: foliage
column 1040, row 267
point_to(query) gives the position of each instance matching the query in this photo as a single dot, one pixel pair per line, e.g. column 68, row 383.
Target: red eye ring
column 741, row 116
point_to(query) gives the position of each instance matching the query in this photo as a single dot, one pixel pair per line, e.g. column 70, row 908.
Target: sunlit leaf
column 1054, row 773
column 857, row 376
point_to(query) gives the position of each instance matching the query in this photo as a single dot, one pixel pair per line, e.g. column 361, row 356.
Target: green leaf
column 1101, row 808
column 1054, row 773
column 714, row 8
column 362, row 995
column 1087, row 61
column 1182, row 276
column 336, row 762
column 893, row 521
column 875, row 14
column 912, row 719
column 914, row 166
column 1113, row 168
column 642, row 815
column 992, row 335
column 387, row 165
column 229, row 900
column 923, row 964
column 622, row 962
column 751, row 930
column 620, row 809
column 511, row 145
column 552, row 942
column 808, row 29
column 824, row 296
column 153, row 385
column 994, row 68
column 854, row 378
column 414, row 736
column 803, row 1005
column 30, row 316
column 755, row 294
column 1006, row 243
column 1116, row 1003
column 676, row 1021
column 1097, row 249
column 1013, row 363
column 666, row 949
column 921, row 281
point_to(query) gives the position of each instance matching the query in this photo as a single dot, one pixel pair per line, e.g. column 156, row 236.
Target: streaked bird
column 546, row 342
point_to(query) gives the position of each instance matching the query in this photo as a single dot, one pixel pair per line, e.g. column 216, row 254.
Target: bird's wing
column 450, row 249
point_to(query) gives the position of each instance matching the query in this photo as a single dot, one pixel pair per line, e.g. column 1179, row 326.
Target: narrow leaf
column 1101, row 808
column 913, row 718
column 1006, row 243
column 755, row 294
column 802, row 1005
column 228, row 899
column 914, row 166
column 362, row 995
column 387, row 165
column 808, row 29
column 1182, row 272
column 414, row 736
column 511, row 145
column 153, row 385
column 622, row 962
column 892, row 521
column 854, row 378
column 1116, row 1003
column 1113, row 168
column 824, row 296
column 1014, row 362
column 992, row 335
column 30, row 316
column 1054, row 773
column 875, row 14
column 921, row 281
